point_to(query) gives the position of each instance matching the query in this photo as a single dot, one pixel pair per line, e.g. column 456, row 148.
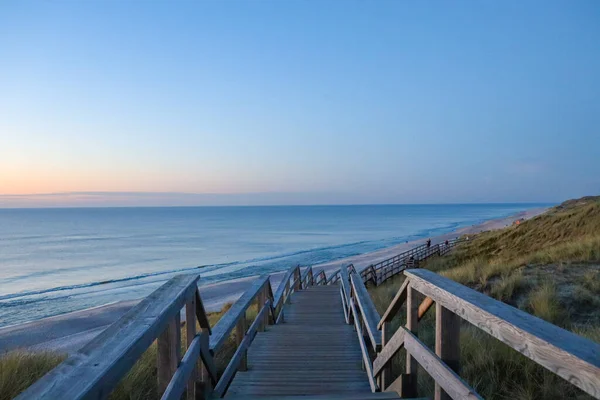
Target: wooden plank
column 201, row 313
column 389, row 350
column 208, row 363
column 184, row 372
column 240, row 333
column 365, row 353
column 440, row 372
column 424, row 307
column 304, row 277
column 190, row 333
column 344, row 306
column 208, row 372
column 568, row 355
column 395, row 305
column 369, row 313
column 345, row 396
column 232, row 367
column 168, row 352
column 345, row 279
column 447, row 343
column 278, row 297
column 409, row 385
column 100, row 365
column 228, row 321
column 386, row 373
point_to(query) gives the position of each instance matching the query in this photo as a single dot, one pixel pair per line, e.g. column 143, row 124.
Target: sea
column 54, row 261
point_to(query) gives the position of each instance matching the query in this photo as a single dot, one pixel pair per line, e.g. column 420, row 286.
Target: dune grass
column 512, row 265
column 19, row 369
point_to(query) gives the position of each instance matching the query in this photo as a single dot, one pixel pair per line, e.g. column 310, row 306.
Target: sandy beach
column 69, row 332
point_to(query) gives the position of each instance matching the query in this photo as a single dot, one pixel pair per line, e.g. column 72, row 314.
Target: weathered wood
column 227, row 323
column 395, row 305
column 190, row 333
column 409, row 385
column 440, row 372
column 447, row 343
column 279, row 293
column 168, row 352
column 304, row 280
column 201, row 313
column 345, row 283
column 95, row 370
column 297, row 282
column 568, row 355
column 425, row 306
column 389, row 350
column 369, row 313
column 208, row 373
column 313, row 353
column 184, row 372
column 365, row 352
column 240, row 332
column 232, row 367
column 344, row 305
column 386, row 373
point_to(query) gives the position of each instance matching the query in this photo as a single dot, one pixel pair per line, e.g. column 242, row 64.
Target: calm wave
column 54, row 261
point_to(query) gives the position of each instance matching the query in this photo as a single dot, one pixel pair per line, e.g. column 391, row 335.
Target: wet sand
column 69, row 332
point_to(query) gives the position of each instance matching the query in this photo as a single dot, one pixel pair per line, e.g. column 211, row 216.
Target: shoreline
column 69, row 332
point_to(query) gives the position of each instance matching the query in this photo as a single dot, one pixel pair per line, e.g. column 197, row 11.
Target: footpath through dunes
column 315, row 337
column 313, row 352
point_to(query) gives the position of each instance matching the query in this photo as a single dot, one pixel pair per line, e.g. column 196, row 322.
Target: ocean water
column 54, row 261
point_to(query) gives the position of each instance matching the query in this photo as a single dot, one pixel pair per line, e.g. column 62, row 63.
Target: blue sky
column 349, row 102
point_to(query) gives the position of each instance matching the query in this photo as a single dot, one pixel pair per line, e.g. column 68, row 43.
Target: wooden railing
column 568, row 355
column 384, row 270
column 95, row 370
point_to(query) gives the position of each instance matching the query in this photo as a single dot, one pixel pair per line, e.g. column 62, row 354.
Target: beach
column 69, row 332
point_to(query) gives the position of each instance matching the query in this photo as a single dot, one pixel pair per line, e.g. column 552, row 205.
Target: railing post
column 311, row 278
column 190, row 332
column 447, row 343
column 386, row 375
column 168, row 352
column 409, row 380
column 287, row 291
column 260, row 302
column 297, row 284
column 240, row 332
column 206, row 384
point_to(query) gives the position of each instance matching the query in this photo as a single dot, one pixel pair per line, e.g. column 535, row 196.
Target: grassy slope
column 18, row 369
column 548, row 266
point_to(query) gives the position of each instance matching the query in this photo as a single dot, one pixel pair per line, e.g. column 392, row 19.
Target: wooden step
column 355, row 396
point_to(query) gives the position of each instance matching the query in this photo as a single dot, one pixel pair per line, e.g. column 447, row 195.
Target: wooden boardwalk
column 314, row 352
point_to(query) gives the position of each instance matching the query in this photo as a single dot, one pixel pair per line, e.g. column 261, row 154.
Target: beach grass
column 20, row 369
column 548, row 266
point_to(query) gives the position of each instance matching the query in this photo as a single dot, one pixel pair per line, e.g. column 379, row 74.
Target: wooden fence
column 95, row 370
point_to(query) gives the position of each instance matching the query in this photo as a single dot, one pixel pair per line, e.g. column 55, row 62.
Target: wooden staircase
column 315, row 339
column 313, row 352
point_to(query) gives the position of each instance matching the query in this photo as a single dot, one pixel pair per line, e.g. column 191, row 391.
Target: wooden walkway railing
column 95, row 370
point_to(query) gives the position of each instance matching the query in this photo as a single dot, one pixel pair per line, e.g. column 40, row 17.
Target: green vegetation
column 18, row 369
column 548, row 266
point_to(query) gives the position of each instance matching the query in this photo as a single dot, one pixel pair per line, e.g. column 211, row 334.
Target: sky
column 298, row 102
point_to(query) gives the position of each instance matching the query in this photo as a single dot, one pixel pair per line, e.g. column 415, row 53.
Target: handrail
column 363, row 347
column 368, row 311
column 568, row 355
column 96, row 369
column 229, row 320
column 234, row 363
